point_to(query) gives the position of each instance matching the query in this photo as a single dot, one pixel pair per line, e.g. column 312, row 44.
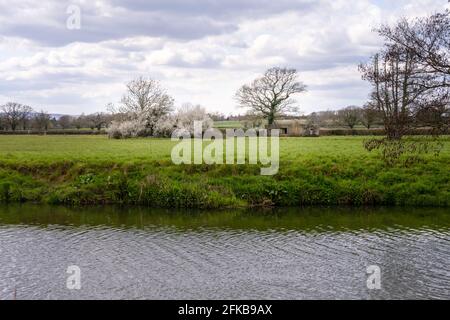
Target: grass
column 227, row 124
column 313, row 171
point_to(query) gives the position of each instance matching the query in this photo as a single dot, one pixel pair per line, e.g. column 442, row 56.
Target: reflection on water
column 144, row 253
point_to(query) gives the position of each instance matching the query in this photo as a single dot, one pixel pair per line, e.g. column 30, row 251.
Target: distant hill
column 57, row 115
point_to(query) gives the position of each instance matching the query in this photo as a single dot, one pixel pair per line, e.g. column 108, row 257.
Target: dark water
column 166, row 254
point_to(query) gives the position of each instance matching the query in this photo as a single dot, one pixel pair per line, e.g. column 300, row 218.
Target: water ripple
column 166, row 262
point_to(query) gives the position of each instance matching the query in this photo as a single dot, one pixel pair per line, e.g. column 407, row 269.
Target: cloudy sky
column 202, row 51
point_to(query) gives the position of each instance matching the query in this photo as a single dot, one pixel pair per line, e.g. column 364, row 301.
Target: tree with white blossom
column 146, row 101
column 188, row 114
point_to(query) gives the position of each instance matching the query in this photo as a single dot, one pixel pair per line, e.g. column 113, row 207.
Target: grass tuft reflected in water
column 307, row 219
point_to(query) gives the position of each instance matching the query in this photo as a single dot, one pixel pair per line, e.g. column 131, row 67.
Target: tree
column 188, row 114
column 82, row 121
column 435, row 116
column 251, row 120
column 328, row 118
column 350, row 116
column 146, row 101
column 53, row 122
column 427, row 40
column 65, row 122
column 217, row 116
column 42, row 120
column 272, row 94
column 126, row 129
column 26, row 117
column 410, row 77
column 3, row 124
column 396, row 91
column 97, row 120
column 313, row 124
column 15, row 113
column 369, row 115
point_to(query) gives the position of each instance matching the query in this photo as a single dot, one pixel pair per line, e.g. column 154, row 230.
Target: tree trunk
column 271, row 119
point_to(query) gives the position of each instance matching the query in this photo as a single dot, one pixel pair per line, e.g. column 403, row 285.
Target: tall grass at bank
column 313, row 171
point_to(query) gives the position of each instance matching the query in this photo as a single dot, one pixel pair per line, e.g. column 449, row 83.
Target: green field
column 227, row 124
column 313, row 171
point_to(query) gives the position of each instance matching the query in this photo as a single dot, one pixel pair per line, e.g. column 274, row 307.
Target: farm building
column 296, row 128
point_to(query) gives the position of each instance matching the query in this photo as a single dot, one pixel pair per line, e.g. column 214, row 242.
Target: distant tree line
column 349, row 117
column 15, row 116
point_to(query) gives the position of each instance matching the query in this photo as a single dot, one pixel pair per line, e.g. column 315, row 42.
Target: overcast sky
column 202, row 51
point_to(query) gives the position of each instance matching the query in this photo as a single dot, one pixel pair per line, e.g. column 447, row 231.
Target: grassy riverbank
column 313, row 171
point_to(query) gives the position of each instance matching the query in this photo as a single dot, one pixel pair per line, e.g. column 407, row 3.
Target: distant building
column 296, row 128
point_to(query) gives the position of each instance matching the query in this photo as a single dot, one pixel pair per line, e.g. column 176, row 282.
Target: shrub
column 184, row 119
column 127, row 129
column 188, row 114
column 165, row 126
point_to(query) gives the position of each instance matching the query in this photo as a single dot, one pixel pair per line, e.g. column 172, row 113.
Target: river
column 141, row 253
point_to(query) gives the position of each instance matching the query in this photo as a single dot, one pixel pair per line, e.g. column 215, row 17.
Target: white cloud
column 202, row 51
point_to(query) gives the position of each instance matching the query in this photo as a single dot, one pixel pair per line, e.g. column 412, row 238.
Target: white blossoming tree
column 188, row 114
column 143, row 105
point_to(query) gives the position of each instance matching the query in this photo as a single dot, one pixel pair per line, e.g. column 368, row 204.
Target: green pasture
column 313, row 171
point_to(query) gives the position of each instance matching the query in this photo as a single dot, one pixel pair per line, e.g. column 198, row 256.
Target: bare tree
column 65, row 122
column 146, row 100
column 396, row 91
column 328, row 118
column 217, row 116
column 369, row 115
column 401, row 91
column 427, row 40
column 80, row 122
column 272, row 94
column 98, row 120
column 436, row 116
column 42, row 120
column 15, row 113
column 350, row 116
column 313, row 122
column 3, row 124
column 26, row 117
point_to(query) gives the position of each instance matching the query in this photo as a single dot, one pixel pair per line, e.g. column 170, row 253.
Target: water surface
column 140, row 253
